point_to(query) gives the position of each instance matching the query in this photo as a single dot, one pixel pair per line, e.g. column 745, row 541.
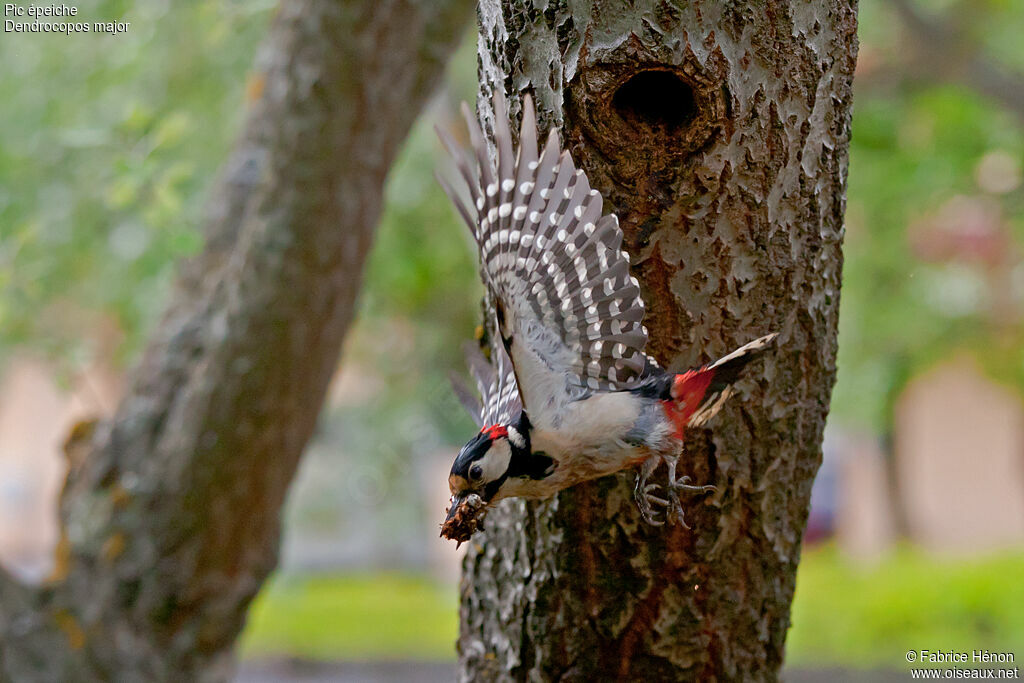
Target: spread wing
column 566, row 307
column 499, row 401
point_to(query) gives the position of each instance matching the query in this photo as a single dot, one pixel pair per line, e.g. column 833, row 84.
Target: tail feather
column 472, row 404
column 699, row 394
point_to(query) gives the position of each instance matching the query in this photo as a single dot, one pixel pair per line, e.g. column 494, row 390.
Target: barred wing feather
column 553, row 265
column 496, row 384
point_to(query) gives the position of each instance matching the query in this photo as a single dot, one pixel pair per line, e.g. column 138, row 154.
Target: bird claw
column 646, row 497
column 675, row 513
column 653, row 497
column 680, row 485
column 683, row 484
column 649, row 516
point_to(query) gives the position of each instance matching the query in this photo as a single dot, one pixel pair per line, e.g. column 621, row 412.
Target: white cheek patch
column 495, row 462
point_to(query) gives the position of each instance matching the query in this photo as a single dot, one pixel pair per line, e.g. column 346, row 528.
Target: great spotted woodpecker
column 568, row 394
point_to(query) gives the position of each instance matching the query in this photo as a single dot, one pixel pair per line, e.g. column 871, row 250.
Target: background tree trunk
column 171, row 510
column 718, row 132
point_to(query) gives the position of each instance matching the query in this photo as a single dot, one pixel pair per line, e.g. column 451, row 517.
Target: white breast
column 590, row 441
column 598, row 419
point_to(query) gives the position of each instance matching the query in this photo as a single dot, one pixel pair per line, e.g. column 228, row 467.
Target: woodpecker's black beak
column 456, row 503
column 465, row 513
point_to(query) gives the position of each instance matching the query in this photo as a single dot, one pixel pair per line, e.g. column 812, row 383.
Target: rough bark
column 718, row 132
column 171, row 509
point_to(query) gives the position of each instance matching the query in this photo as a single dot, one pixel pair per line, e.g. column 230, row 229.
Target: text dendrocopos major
column 568, row 394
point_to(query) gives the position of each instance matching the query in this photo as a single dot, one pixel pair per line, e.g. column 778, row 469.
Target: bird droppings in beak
column 463, row 518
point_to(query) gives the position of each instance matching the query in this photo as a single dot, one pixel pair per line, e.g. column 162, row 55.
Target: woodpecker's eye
column 475, row 472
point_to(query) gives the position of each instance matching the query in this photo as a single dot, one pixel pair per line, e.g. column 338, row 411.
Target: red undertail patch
column 688, row 390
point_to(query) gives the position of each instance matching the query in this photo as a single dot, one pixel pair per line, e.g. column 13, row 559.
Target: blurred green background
column 110, row 144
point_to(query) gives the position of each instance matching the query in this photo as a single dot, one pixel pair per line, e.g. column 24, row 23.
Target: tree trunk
column 171, row 510
column 718, row 132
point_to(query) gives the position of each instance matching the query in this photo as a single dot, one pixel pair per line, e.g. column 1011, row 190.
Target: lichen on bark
column 718, row 133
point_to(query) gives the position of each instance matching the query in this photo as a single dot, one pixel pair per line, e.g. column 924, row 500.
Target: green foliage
column 383, row 616
column 108, row 144
column 420, row 300
column 912, row 152
column 870, row 617
column 421, row 294
column 105, row 164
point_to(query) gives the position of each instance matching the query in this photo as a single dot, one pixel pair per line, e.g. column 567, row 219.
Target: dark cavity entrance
column 655, row 99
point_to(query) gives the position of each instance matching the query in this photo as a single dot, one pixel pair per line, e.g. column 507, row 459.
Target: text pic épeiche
column 40, row 10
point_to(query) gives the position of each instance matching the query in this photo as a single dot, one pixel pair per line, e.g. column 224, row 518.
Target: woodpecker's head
column 480, row 469
column 482, row 465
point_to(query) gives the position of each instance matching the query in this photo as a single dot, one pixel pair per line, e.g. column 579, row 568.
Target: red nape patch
column 688, row 390
column 494, row 432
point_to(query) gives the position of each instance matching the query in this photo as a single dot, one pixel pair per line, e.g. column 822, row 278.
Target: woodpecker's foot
column 647, row 500
column 647, row 497
column 683, row 484
column 677, row 488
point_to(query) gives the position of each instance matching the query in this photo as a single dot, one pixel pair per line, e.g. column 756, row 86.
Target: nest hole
column 655, row 99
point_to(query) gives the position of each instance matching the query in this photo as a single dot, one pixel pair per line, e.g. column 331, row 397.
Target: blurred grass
column 353, row 616
column 866, row 617
column 844, row 615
